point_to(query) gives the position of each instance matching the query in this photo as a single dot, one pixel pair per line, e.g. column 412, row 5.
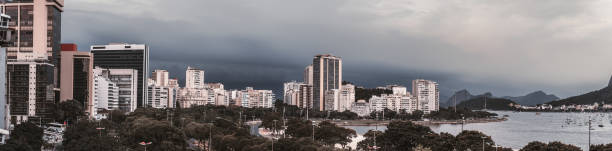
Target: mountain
column 461, row 96
column 602, row 95
column 492, row 103
column 534, row 98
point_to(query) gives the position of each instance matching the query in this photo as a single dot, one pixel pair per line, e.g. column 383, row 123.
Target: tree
column 160, row 133
column 473, row 140
column 198, row 131
column 86, row 132
column 370, row 136
column 299, row 128
column 556, row 146
column 421, row 148
column 268, row 120
column 25, row 137
column 403, row 134
column 606, row 147
column 68, row 111
column 331, row 134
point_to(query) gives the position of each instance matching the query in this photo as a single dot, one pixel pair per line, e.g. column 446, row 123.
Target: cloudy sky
column 508, row 47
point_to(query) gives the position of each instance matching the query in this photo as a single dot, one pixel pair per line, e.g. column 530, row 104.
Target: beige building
column 76, row 81
column 308, row 75
column 161, row 77
column 37, row 25
column 194, row 78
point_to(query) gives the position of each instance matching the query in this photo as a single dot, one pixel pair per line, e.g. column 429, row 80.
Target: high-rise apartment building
column 332, row 98
column 327, row 75
column 158, row 96
column 32, row 56
column 127, row 82
column 305, row 96
column 427, row 95
column 255, row 98
column 291, row 91
column 76, row 76
column 161, row 77
column 393, row 102
column 4, row 106
column 30, row 91
column 194, row 78
column 5, row 39
column 106, row 93
column 125, row 56
column 37, row 25
column 308, row 75
column 347, row 97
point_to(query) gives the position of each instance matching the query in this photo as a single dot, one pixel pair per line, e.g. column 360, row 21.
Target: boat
column 601, row 125
column 538, row 113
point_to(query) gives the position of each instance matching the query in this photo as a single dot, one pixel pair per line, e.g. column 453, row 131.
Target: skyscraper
column 327, row 75
column 5, row 39
column 31, row 94
column 76, row 76
column 37, row 25
column 308, row 75
column 33, row 57
column 125, row 56
column 194, row 78
column 427, row 95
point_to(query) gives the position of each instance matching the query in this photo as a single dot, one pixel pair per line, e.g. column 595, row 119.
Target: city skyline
column 488, row 57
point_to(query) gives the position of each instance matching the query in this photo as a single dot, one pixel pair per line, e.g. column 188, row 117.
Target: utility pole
column 313, row 130
column 589, row 148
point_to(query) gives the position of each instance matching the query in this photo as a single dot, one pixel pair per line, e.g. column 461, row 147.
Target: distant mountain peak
column 534, row 98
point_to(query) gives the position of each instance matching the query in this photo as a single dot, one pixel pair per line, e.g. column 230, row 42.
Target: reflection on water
column 524, row 127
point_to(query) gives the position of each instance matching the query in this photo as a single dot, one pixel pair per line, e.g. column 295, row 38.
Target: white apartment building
column 194, row 78
column 347, row 97
column 361, row 107
column 127, row 81
column 291, row 91
column 393, row 102
column 399, row 90
column 255, row 98
column 158, row 96
column 427, row 94
column 188, row 97
column 106, row 93
column 332, row 98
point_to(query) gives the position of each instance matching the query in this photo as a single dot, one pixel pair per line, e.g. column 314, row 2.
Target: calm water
column 524, row 127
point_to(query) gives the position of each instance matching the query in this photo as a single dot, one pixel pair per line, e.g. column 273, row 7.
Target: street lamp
column 145, row 144
column 483, row 143
column 462, row 122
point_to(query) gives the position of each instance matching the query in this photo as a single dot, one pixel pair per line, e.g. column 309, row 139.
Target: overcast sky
column 508, row 47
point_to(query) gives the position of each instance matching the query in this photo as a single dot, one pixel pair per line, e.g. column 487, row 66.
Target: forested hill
column 492, row 104
column 602, row 95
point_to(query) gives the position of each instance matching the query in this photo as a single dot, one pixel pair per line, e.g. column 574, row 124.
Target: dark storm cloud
column 506, row 47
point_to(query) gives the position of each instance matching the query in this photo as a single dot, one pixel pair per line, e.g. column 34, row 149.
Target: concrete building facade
column 327, row 75
column 76, row 76
column 427, row 94
column 194, row 78
column 125, row 56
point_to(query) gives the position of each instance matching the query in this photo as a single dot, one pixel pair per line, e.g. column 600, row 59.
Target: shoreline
column 425, row 123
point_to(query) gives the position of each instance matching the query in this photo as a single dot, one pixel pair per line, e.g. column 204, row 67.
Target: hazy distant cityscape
column 110, row 97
